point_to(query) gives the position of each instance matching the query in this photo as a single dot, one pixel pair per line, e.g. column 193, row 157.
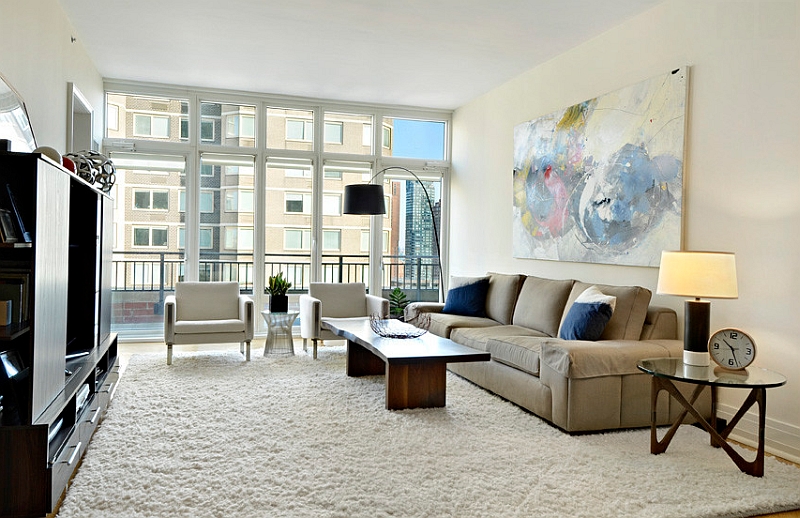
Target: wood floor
column 257, row 347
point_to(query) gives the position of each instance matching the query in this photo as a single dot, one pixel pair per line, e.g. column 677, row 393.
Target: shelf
column 16, row 245
column 12, row 331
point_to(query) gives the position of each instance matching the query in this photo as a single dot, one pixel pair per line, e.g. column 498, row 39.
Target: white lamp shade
column 698, row 274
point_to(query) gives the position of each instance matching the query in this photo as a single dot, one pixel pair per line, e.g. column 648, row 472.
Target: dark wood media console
column 63, row 358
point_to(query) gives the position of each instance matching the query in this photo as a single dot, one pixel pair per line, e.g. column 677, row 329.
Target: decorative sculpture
column 94, row 167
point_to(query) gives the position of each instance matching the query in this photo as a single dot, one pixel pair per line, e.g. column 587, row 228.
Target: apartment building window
column 233, row 124
column 207, row 130
column 290, row 128
column 387, row 137
column 331, row 240
column 150, row 200
column 365, row 241
column 334, row 133
column 150, row 236
column 112, row 117
column 207, row 202
column 150, row 126
column 344, row 132
column 238, row 200
column 239, row 238
column 241, row 126
column 297, row 239
column 297, row 129
column 298, row 203
column 206, row 236
column 206, row 170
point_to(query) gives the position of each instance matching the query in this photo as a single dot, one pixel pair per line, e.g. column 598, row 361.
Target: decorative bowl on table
column 393, row 328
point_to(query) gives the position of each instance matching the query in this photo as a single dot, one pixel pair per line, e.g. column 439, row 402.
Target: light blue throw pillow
column 588, row 316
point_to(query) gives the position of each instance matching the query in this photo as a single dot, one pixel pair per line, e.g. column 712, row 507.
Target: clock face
column 732, row 349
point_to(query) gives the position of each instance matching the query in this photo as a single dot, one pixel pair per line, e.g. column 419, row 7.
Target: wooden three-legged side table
column 666, row 370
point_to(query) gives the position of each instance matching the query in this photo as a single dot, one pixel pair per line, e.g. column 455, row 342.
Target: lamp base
column 697, row 359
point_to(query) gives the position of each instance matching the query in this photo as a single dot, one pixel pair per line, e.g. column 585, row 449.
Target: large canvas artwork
column 602, row 181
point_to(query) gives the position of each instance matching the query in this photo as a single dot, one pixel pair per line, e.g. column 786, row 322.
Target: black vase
column 278, row 303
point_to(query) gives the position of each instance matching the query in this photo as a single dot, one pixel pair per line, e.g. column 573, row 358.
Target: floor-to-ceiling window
column 217, row 186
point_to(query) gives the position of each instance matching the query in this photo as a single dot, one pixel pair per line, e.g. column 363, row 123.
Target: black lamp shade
column 364, row 198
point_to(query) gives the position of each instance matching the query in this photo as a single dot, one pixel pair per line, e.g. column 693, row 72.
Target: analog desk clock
column 732, row 349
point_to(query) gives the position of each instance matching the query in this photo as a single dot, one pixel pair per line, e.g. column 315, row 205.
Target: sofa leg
column 169, row 354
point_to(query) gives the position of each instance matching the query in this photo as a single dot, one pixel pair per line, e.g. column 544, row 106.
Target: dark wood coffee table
column 415, row 368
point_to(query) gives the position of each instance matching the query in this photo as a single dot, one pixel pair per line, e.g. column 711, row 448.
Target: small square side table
column 666, row 370
column 279, row 332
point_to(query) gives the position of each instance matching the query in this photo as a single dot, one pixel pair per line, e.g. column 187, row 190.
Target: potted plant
column 397, row 303
column 277, row 287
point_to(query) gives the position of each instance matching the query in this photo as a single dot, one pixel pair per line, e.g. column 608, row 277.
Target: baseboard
column 780, row 439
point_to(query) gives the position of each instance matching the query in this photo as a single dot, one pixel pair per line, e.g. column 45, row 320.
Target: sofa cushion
column 442, row 324
column 468, row 299
column 588, row 315
column 541, row 303
column 502, row 296
column 478, row 337
column 629, row 314
column 520, row 352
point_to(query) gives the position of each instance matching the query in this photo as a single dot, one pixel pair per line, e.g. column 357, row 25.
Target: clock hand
column 733, row 351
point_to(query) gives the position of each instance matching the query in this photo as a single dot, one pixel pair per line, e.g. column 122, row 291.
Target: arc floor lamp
column 367, row 199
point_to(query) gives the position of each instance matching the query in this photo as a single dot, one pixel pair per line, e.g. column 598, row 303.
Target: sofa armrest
column 576, row 359
column 377, row 306
column 310, row 316
column 246, row 309
column 415, row 309
column 169, row 319
column 660, row 324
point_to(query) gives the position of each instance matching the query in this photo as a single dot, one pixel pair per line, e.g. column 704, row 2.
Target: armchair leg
column 305, row 343
column 314, row 342
column 169, row 354
column 247, row 356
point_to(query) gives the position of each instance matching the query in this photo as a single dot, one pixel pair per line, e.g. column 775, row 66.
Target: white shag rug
column 213, row 436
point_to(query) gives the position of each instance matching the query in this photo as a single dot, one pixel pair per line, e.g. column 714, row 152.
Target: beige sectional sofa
column 579, row 386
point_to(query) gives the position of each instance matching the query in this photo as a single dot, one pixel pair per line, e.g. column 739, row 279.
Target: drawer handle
column 74, row 454
column 96, row 413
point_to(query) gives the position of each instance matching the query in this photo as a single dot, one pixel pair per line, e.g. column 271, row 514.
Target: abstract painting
column 602, row 181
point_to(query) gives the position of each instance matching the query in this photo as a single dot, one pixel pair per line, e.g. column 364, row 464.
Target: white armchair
column 335, row 300
column 208, row 312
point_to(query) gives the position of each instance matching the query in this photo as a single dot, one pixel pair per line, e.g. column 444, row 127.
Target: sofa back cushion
column 541, row 303
column 502, row 296
column 629, row 313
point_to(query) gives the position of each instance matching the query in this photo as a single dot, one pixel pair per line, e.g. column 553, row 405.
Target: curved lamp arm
column 430, row 207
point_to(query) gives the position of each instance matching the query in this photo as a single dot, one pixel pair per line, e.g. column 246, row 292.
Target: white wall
column 742, row 173
column 38, row 58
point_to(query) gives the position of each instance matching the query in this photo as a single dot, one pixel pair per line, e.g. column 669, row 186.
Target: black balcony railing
column 139, row 271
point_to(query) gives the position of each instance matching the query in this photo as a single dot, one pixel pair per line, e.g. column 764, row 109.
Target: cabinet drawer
column 65, row 464
column 107, row 389
column 90, row 418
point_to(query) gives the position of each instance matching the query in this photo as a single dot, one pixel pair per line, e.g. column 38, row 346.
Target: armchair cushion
column 210, row 326
column 207, row 300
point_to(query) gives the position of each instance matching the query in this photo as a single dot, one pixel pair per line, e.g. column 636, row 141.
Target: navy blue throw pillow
column 468, row 300
column 588, row 316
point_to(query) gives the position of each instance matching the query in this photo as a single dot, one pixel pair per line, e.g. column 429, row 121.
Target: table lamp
column 698, row 275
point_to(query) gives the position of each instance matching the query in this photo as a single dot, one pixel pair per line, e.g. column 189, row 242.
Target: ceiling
column 425, row 53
